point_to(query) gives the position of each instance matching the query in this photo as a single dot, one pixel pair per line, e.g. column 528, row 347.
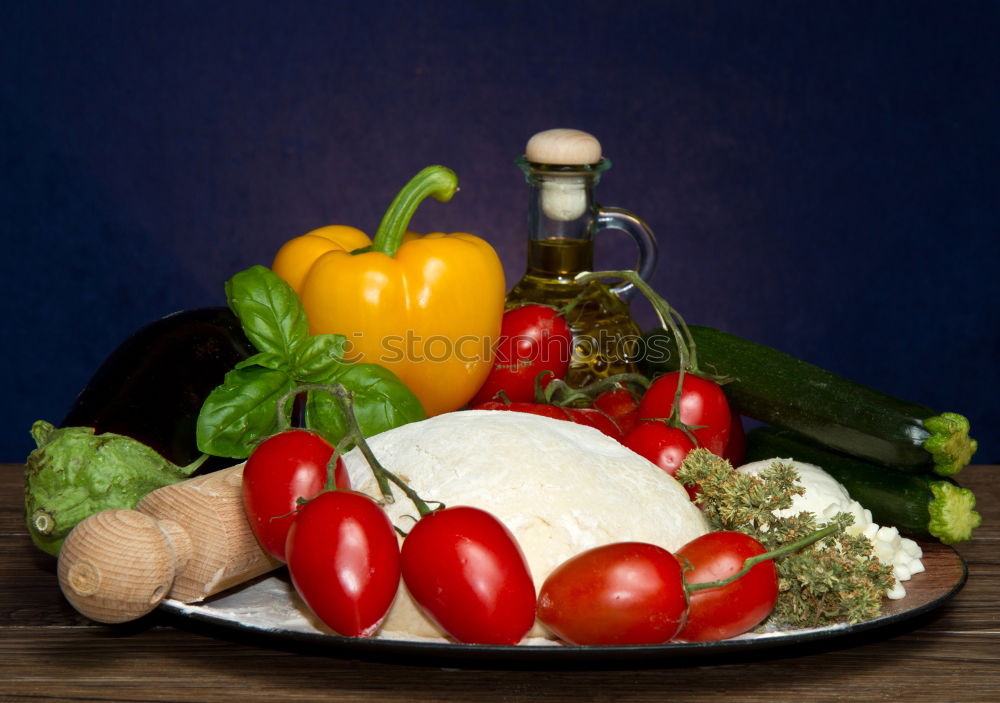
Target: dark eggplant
column 151, row 388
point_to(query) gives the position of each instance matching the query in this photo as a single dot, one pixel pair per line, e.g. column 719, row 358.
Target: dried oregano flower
column 835, row 580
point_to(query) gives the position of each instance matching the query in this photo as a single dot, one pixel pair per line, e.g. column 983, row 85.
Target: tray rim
column 320, row 642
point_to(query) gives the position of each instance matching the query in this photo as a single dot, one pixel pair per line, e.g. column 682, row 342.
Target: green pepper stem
column 438, row 182
column 831, row 529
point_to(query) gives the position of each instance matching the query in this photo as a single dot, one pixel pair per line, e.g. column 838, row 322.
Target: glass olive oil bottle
column 562, row 167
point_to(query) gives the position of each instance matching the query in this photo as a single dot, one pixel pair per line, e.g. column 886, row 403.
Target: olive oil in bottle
column 561, row 168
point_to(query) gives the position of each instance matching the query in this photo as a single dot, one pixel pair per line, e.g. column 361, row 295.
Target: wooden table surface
column 51, row 653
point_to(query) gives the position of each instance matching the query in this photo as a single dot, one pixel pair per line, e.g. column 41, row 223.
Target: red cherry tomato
column 736, row 447
column 703, row 405
column 468, row 574
column 662, row 444
column 591, row 417
column 726, row 611
column 621, row 593
column 598, row 419
column 533, row 338
column 281, row 470
column 621, row 406
column 343, row 557
column 543, row 409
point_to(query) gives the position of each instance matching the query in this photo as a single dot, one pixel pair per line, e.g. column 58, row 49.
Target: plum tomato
column 343, row 557
column 598, row 419
column 533, row 338
column 282, row 469
column 703, row 406
column 619, row 593
column 543, row 409
column 726, row 611
column 621, row 406
column 467, row 573
column 592, row 417
column 662, row 444
column 736, row 447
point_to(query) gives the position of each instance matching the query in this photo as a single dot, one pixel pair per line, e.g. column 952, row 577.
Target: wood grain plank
column 11, row 499
column 29, row 590
column 50, row 653
column 163, row 664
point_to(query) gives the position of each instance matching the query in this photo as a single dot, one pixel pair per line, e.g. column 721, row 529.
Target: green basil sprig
column 243, row 410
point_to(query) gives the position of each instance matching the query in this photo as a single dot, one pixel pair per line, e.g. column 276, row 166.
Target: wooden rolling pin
column 186, row 541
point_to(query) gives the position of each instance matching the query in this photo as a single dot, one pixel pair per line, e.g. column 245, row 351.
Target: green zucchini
column 918, row 504
column 778, row 389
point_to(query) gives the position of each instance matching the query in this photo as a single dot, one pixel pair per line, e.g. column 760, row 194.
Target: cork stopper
column 563, row 147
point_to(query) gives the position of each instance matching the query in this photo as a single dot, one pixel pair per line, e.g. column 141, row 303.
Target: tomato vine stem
column 669, row 319
column 383, row 477
column 558, row 392
column 831, row 529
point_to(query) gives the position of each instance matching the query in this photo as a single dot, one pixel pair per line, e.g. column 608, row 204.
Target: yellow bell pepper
column 428, row 307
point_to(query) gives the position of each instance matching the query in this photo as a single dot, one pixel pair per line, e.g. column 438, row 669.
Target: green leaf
column 381, row 402
column 269, row 310
column 318, row 359
column 268, row 360
column 241, row 411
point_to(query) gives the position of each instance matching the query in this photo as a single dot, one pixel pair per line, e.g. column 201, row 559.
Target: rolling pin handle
column 118, row 565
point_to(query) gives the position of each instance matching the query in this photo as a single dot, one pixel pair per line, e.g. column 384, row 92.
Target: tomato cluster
column 592, row 417
column 535, row 341
column 465, row 570
column 283, row 470
column 666, row 431
column 533, row 351
column 461, row 565
column 638, row 593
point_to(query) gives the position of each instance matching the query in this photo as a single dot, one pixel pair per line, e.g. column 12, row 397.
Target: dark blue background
column 822, row 177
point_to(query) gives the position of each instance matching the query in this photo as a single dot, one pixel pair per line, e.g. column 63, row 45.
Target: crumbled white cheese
column 559, row 487
column 825, row 497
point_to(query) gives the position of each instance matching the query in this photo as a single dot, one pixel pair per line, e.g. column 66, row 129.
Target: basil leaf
column 318, row 358
column 241, row 411
column 381, row 402
column 268, row 360
column 269, row 310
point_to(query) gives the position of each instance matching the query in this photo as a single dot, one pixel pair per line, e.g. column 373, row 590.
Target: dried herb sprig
column 832, row 581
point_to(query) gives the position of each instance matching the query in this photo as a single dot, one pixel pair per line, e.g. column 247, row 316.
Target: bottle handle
column 634, row 226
